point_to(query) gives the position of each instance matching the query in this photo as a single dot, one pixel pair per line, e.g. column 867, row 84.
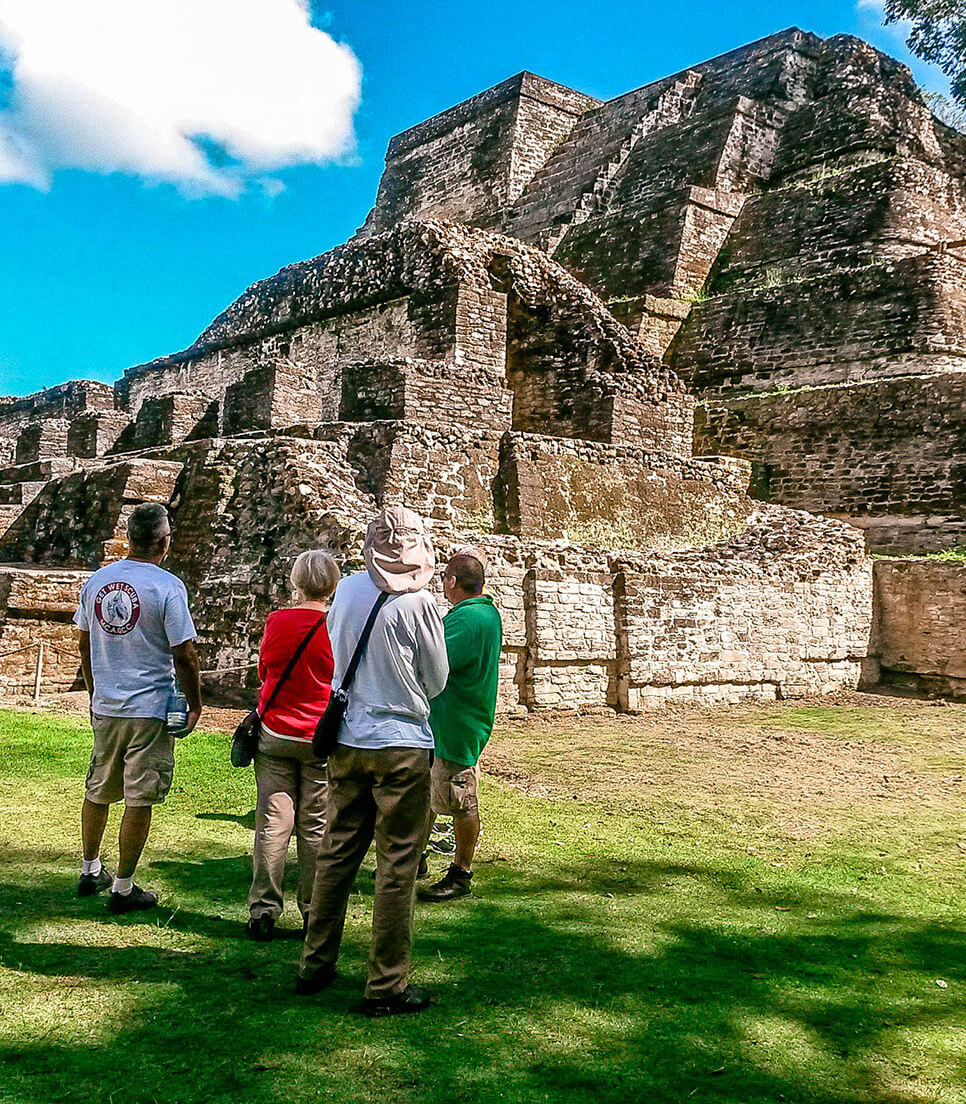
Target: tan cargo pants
column 382, row 794
column 291, row 786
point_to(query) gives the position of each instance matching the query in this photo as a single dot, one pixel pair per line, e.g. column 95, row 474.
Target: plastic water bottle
column 177, row 713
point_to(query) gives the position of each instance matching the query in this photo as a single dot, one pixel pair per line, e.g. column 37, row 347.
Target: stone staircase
column 576, row 172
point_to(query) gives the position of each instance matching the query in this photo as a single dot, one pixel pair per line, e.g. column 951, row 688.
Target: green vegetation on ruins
column 746, row 906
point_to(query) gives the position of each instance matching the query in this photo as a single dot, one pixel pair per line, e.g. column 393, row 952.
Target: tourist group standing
column 374, row 762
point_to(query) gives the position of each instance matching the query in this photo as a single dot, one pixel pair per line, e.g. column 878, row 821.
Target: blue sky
column 104, row 269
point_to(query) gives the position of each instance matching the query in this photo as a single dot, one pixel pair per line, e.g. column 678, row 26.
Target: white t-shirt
column 135, row 613
column 404, row 664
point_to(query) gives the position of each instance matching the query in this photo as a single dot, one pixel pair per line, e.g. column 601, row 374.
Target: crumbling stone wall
column 473, row 376
column 617, row 496
column 66, row 401
column 477, row 157
column 37, row 606
column 920, row 624
column 888, row 455
column 80, row 519
column 780, row 611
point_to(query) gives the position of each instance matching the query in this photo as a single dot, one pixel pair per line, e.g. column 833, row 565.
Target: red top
column 303, row 698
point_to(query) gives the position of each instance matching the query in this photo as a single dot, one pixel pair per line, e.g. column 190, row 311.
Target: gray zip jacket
column 404, row 664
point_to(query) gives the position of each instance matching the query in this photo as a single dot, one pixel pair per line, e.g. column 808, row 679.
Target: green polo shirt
column 462, row 716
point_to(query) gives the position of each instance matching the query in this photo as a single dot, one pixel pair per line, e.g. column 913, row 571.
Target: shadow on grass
column 541, row 998
column 245, row 820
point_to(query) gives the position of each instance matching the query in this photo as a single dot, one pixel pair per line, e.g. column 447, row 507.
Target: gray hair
column 315, row 574
column 147, row 527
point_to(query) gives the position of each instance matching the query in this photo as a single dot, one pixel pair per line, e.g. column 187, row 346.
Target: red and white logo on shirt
column 117, row 608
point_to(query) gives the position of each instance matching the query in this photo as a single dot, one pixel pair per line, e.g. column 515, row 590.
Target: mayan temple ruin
column 678, row 361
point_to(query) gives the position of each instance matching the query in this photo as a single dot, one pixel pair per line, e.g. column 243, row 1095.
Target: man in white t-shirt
column 379, row 772
column 135, row 634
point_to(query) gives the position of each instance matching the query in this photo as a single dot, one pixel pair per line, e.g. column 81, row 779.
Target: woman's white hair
column 315, row 575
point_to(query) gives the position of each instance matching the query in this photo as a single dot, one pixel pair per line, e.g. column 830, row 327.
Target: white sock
column 122, row 886
column 91, row 866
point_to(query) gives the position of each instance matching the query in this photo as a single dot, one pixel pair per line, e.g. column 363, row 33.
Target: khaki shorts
column 133, row 759
column 454, row 788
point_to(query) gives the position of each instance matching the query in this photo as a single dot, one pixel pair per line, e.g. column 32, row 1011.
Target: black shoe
column 307, row 986
column 411, row 999
column 261, row 928
column 135, row 901
column 454, row 883
column 90, row 884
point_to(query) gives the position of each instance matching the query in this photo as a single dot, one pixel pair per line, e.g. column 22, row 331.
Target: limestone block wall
column 95, row 433
column 66, row 401
column 426, row 393
column 313, row 353
column 42, row 439
column 920, row 625
column 901, row 317
column 610, row 496
column 471, row 161
column 571, row 640
column 270, row 396
column 781, row 610
column 744, row 621
column 38, row 605
column 168, row 419
column 445, row 474
column 887, row 209
column 890, row 455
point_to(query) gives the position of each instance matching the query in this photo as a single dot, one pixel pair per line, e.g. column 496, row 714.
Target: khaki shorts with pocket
column 454, row 788
column 133, row 759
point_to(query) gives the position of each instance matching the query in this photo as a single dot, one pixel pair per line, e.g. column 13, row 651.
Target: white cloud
column 208, row 94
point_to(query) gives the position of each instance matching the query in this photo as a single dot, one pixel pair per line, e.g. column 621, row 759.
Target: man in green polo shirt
column 461, row 717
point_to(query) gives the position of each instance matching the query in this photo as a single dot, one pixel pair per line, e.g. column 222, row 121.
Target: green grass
column 645, row 926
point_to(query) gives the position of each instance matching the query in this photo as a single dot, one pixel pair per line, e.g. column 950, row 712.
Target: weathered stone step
column 81, row 518
column 19, row 494
column 38, row 471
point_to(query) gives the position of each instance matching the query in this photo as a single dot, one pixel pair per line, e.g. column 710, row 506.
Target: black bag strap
column 350, row 671
column 290, row 667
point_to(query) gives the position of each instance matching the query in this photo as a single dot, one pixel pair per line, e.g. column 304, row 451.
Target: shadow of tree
column 541, row 997
column 246, row 820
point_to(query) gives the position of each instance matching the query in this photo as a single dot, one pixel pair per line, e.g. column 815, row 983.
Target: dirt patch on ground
column 831, row 751
column 854, row 748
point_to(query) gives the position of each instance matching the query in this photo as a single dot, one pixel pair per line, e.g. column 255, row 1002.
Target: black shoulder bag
column 327, row 730
column 244, row 744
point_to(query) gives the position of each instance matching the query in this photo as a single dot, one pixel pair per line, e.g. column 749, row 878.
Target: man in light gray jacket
column 379, row 773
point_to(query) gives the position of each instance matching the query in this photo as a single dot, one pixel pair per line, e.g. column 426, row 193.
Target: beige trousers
column 382, row 794
column 291, row 785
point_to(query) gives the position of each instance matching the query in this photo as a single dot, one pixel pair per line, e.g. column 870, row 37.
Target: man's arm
column 188, row 670
column 431, row 661
column 84, row 643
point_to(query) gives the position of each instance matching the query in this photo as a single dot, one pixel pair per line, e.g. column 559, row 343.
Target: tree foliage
column 938, row 35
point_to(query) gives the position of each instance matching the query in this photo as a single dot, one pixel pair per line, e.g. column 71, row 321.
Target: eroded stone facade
column 507, row 346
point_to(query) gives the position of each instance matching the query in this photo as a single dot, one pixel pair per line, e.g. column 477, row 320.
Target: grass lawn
column 759, row 904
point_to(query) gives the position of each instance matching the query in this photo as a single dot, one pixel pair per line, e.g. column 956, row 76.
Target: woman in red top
column 291, row 782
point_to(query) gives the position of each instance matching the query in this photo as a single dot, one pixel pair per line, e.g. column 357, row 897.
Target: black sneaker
column 454, row 883
column 261, row 928
column 136, row 901
column 307, row 986
column 89, row 884
column 411, row 999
